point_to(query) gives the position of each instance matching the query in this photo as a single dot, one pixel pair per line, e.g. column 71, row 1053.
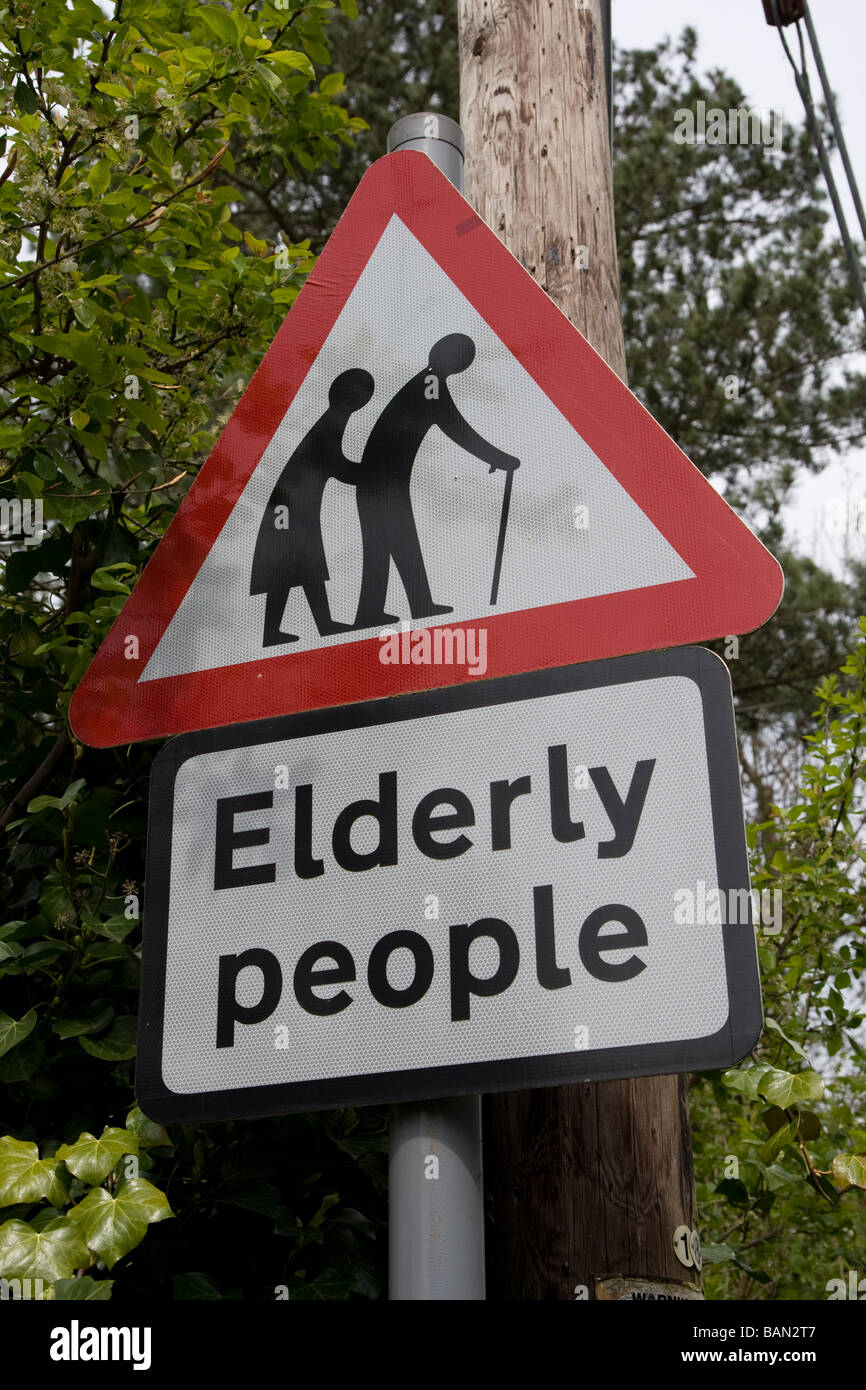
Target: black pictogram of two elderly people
column 293, row 555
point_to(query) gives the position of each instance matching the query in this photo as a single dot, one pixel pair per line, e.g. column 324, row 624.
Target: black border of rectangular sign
column 723, row 1048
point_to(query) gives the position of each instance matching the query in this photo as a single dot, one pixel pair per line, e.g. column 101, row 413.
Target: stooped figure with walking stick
column 383, row 476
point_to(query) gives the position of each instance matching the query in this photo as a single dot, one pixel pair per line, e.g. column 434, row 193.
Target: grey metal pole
column 437, row 136
column 436, row 1205
column 436, row 1227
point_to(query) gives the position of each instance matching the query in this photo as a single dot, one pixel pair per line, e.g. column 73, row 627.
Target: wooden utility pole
column 593, row 1180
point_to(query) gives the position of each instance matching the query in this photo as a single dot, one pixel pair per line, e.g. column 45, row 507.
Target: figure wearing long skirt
column 294, row 557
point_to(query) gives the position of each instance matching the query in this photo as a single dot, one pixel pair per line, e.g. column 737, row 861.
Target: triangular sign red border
column 737, row 584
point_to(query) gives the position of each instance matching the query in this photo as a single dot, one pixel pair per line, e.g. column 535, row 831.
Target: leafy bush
column 133, row 310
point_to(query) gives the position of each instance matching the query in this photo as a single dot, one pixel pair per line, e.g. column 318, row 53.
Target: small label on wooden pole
column 614, row 1288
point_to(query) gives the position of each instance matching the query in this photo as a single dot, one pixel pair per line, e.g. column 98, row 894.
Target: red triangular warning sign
column 431, row 478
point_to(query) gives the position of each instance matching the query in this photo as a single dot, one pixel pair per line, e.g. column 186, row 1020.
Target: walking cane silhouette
column 503, row 527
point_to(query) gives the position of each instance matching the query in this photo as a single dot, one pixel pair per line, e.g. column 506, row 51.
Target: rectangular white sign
column 535, row 880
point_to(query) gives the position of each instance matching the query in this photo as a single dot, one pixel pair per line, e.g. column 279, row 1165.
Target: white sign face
column 427, row 442
column 535, row 880
column 455, row 498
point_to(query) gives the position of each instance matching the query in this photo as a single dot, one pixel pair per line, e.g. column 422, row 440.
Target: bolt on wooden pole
column 592, row 1180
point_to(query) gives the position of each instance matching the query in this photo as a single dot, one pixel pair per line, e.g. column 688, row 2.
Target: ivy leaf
column 25, row 1177
column 747, row 1080
column 774, row 1119
column 112, row 1226
column 98, row 1016
column 14, row 1030
column 92, row 1159
column 823, row 1185
column 23, row 1062
column 785, row 1088
column 50, row 1254
column 148, row 1132
column 77, row 1290
column 777, row 1141
column 735, row 1191
column 765, row 1201
column 849, row 1170
column 194, row 1286
column 57, row 803
column 329, row 1285
column 714, row 1254
column 41, row 1219
column 115, row 928
column 54, row 900
column 349, row 8
column 118, row 1044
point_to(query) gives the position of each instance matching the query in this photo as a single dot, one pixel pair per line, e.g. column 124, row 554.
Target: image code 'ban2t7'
column 480, row 888
column 427, row 441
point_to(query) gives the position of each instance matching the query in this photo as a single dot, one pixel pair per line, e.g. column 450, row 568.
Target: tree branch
column 42, row 775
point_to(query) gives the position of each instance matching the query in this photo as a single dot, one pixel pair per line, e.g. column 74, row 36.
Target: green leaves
column 93, row 1159
column 734, row 1191
column 849, row 1170
column 25, row 1177
column 54, row 1243
column 133, row 318
column 13, row 1031
column 290, row 58
column 784, row 1089
column 99, row 179
column 194, row 1286
column 221, row 24
column 327, row 1286
column 25, row 98
column 53, row 1253
column 74, row 346
column 785, row 1134
column 332, row 83
column 57, row 803
column 109, row 581
column 113, row 89
column 97, row 1017
column 119, row 1043
column 112, row 1226
column 83, row 1289
column 795, row 1046
column 746, row 1079
column 148, row 1132
column 805, row 1176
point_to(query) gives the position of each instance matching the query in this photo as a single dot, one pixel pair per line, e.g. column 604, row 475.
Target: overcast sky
column 735, row 36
